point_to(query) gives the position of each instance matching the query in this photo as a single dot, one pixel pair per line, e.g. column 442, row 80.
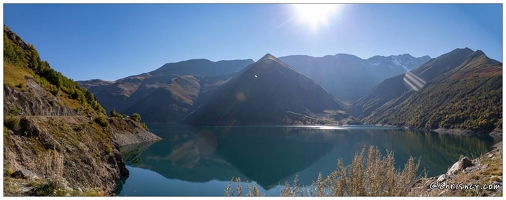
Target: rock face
column 266, row 92
column 65, row 146
column 34, row 101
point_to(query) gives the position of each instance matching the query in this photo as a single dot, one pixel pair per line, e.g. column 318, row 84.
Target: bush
column 145, row 126
column 102, row 121
column 136, row 117
column 114, row 113
column 11, row 122
column 14, row 111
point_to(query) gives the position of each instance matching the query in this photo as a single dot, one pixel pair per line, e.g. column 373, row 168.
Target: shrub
column 102, row 121
column 11, row 122
column 145, row 126
column 114, row 113
column 136, row 117
column 14, row 111
column 108, row 149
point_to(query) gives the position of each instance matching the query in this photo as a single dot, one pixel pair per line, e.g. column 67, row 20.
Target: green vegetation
column 116, row 114
column 145, row 126
column 136, row 117
column 463, row 91
column 11, row 122
column 102, row 121
column 472, row 103
column 375, row 175
column 26, row 58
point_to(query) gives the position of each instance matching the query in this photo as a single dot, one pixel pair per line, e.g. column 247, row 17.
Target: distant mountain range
column 461, row 89
column 179, row 88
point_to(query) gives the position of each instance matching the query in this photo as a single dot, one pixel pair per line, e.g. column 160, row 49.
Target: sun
column 315, row 15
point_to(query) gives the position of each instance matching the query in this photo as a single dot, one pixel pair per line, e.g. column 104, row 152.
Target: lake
column 201, row 161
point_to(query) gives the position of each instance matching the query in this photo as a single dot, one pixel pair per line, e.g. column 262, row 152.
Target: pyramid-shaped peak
column 268, row 56
column 268, row 59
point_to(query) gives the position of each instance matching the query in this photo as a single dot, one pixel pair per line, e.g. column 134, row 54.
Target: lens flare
column 315, row 15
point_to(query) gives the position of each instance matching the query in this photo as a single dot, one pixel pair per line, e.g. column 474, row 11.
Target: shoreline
column 481, row 176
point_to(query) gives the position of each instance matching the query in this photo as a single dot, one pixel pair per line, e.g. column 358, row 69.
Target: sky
column 113, row 41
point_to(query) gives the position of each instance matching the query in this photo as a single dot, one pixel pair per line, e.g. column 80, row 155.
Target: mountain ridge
column 463, row 90
column 125, row 94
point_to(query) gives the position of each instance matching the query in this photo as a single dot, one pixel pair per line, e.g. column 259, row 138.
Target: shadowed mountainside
column 463, row 90
column 268, row 92
column 338, row 72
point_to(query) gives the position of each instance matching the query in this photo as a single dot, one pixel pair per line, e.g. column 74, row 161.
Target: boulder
column 23, row 174
column 441, row 178
column 459, row 165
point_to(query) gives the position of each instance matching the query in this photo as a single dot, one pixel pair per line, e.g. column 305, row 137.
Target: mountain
column 56, row 132
column 461, row 89
column 267, row 92
column 127, row 94
column 336, row 73
column 139, row 93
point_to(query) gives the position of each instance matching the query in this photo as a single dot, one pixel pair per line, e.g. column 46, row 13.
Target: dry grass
column 251, row 190
column 52, row 163
column 375, row 175
column 372, row 176
column 13, row 76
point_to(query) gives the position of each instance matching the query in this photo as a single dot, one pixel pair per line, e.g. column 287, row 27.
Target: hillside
column 269, row 92
column 462, row 90
column 337, row 72
column 57, row 138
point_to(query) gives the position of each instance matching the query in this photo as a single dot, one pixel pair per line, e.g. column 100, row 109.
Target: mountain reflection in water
column 271, row 155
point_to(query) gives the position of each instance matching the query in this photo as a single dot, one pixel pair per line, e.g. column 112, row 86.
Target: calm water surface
column 201, row 161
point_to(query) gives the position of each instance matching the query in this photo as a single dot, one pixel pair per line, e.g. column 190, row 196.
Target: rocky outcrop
column 68, row 147
column 34, row 100
column 134, row 134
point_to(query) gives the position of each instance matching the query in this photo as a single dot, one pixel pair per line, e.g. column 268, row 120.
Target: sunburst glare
column 315, row 15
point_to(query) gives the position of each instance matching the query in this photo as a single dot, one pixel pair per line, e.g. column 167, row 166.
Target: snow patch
column 375, row 64
column 396, row 62
column 405, row 67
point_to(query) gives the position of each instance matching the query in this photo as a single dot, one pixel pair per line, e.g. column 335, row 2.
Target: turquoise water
column 201, row 161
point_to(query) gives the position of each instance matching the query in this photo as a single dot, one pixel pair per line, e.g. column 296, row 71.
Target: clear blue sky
column 112, row 41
